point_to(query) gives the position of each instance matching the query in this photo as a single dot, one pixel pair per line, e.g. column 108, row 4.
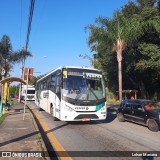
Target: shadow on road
column 110, row 117
column 56, row 128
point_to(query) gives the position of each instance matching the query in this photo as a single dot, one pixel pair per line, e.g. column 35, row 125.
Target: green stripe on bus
column 98, row 107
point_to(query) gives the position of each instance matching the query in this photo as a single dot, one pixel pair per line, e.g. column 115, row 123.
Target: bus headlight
column 103, row 108
column 68, row 108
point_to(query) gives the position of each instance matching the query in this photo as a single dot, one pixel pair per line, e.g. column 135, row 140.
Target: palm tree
column 20, row 57
column 120, row 45
column 116, row 33
column 113, row 35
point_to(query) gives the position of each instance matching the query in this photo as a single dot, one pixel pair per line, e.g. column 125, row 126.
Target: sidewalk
column 21, row 136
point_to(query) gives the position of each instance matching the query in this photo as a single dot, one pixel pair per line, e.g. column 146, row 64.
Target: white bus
column 72, row 94
column 30, row 90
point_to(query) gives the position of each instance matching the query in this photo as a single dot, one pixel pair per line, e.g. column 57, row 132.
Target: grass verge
column 39, row 142
column 2, row 118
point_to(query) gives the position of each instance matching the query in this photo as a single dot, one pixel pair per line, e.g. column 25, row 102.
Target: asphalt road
column 106, row 135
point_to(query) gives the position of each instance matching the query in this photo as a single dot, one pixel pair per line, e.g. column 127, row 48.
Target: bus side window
column 41, row 85
column 48, row 83
column 58, row 84
column 53, row 81
column 44, row 85
column 37, row 86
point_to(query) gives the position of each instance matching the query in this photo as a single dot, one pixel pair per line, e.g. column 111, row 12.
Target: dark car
column 145, row 112
column 11, row 95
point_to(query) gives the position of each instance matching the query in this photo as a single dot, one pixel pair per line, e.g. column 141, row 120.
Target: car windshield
column 149, row 105
column 83, row 88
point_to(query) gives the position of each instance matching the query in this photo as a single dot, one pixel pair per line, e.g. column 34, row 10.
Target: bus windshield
column 30, row 91
column 83, row 87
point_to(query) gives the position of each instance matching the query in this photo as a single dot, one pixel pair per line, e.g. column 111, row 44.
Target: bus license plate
column 86, row 119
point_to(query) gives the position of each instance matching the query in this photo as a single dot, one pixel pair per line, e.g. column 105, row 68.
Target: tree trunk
column 119, row 48
column 142, row 90
column 119, row 59
column 120, row 79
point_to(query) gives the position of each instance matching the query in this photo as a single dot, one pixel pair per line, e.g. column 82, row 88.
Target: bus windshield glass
column 30, row 91
column 80, row 87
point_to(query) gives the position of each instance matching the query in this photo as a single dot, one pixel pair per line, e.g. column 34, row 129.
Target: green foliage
column 14, row 89
column 8, row 57
column 6, row 54
column 138, row 24
column 35, row 79
column 2, row 118
column 146, row 3
column 150, row 57
column 21, row 55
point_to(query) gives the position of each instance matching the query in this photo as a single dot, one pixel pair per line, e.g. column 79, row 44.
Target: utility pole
column 26, row 93
column 28, row 75
column 21, row 75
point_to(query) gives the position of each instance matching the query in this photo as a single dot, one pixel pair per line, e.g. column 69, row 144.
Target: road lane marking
column 54, row 142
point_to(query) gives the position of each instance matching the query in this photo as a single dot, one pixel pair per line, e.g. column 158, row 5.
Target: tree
column 136, row 26
column 20, row 57
column 114, row 33
column 142, row 57
column 6, row 55
column 35, row 79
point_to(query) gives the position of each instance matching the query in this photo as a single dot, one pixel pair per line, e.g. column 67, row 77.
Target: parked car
column 16, row 96
column 145, row 112
column 11, row 95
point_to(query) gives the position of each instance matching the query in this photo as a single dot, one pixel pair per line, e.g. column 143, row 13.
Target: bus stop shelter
column 5, row 89
column 131, row 92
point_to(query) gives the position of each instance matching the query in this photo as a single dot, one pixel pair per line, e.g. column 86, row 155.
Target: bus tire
column 40, row 109
column 52, row 112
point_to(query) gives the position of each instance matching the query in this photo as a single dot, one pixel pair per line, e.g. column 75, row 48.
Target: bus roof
column 29, row 86
column 60, row 68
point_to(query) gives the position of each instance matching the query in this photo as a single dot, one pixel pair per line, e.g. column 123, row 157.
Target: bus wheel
column 40, row 109
column 51, row 110
column 52, row 113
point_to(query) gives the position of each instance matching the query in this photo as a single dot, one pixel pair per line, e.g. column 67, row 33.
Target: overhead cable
column 32, row 2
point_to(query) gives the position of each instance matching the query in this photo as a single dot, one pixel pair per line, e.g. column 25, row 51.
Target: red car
column 16, row 96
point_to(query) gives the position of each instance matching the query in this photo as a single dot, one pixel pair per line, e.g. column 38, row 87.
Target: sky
column 58, row 35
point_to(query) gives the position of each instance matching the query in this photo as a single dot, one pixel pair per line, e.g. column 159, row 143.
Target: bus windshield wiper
column 87, row 94
column 94, row 93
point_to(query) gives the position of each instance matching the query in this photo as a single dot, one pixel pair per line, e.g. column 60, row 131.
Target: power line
column 21, row 23
column 32, row 2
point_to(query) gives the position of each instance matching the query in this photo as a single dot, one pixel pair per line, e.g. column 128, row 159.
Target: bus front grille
column 91, row 116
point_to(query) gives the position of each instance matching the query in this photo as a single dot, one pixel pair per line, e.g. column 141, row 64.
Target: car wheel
column 120, row 117
column 152, row 125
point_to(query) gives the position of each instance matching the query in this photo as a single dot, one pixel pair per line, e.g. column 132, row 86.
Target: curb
column 37, row 129
column 49, row 138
